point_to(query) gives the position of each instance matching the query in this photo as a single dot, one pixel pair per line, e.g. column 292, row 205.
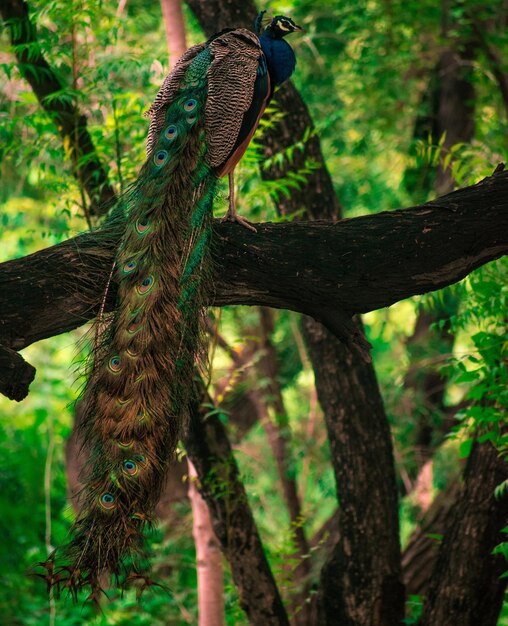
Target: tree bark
column 15, row 374
column 360, row 584
column 71, row 124
column 317, row 268
column 466, row 587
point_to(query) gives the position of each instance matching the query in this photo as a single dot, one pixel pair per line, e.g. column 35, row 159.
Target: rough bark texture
column 360, row 584
column 15, row 374
column 465, row 587
column 219, row 483
column 71, row 124
column 383, row 258
column 208, row 559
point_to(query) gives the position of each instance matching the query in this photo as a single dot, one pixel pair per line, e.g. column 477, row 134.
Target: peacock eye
column 190, row 105
column 142, row 226
column 161, row 156
column 115, row 364
column 171, row 132
column 130, row 468
column 129, row 266
column 133, row 326
column 107, row 501
column 146, row 284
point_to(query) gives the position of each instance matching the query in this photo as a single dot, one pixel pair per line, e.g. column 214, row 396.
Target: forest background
column 409, row 100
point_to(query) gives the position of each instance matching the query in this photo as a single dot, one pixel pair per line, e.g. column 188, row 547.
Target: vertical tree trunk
column 279, row 437
column 208, row 448
column 456, row 104
column 175, row 29
column 208, row 559
column 360, row 584
column 466, row 587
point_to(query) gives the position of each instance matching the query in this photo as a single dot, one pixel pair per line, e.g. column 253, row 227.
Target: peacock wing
column 167, row 93
column 232, row 75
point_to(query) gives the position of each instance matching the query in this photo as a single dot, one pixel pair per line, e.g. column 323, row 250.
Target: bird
column 136, row 398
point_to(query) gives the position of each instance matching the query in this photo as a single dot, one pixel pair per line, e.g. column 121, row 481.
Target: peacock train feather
column 136, row 398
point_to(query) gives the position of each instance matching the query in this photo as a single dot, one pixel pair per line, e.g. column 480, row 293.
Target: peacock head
column 276, row 28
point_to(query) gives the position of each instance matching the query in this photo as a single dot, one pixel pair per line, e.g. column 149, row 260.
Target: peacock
column 135, row 401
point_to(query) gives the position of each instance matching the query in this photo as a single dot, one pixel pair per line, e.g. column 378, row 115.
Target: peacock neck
column 280, row 58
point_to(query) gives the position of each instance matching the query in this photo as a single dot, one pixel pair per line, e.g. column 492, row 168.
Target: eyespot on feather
column 142, row 226
column 130, row 468
column 191, row 119
column 129, row 266
column 107, row 501
column 146, row 285
column 190, row 105
column 160, row 157
column 132, row 328
column 171, row 132
column 115, row 364
column 139, row 516
column 125, row 444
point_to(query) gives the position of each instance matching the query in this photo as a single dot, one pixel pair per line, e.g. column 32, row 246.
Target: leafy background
column 363, row 69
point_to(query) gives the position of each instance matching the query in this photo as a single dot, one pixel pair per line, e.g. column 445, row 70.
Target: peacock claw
column 234, row 217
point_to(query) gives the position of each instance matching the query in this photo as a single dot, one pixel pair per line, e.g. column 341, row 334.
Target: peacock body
column 137, row 394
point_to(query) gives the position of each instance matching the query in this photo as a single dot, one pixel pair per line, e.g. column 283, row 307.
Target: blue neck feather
column 280, row 57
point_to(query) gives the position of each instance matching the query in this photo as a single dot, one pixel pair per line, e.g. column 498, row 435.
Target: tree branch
column 15, row 374
column 317, row 268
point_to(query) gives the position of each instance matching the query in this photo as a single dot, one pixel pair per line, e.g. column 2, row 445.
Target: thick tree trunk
column 466, row 587
column 360, row 584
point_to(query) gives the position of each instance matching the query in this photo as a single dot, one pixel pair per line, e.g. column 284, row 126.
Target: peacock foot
column 232, row 216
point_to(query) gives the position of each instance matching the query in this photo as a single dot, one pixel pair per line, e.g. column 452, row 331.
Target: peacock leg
column 232, row 215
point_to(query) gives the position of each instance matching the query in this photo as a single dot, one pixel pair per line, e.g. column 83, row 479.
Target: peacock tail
column 136, row 399
column 137, row 393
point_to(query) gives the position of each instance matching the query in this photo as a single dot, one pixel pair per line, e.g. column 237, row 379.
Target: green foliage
column 363, row 69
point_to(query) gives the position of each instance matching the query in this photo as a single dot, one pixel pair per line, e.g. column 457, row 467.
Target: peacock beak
column 298, row 28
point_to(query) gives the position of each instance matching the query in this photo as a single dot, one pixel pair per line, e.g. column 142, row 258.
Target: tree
column 392, row 256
